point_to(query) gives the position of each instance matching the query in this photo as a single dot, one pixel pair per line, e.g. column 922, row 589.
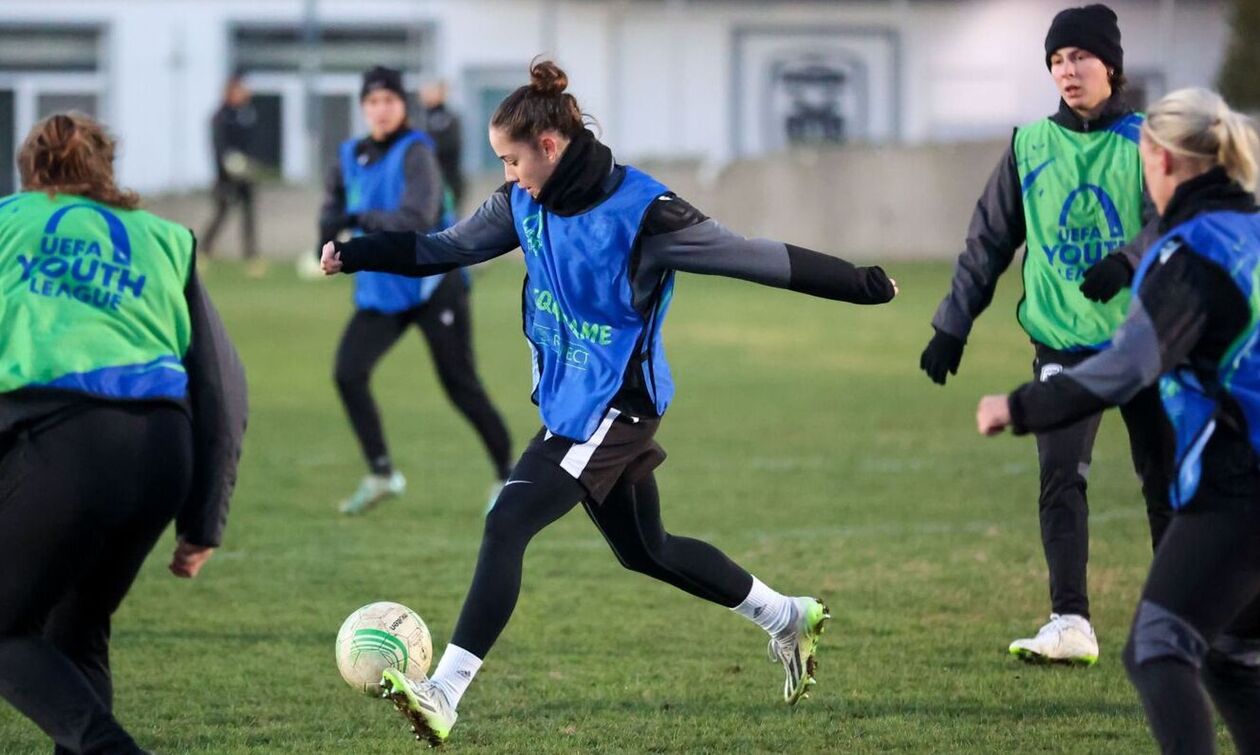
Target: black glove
column 1107, row 277
column 943, row 353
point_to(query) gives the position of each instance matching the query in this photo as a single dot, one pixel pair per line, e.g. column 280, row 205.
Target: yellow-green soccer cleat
column 797, row 649
column 422, row 703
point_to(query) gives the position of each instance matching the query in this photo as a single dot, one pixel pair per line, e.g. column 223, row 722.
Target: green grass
column 804, row 441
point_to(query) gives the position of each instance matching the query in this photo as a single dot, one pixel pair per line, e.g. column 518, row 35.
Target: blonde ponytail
column 1198, row 125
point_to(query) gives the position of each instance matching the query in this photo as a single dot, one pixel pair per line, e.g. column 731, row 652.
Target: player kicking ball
column 601, row 242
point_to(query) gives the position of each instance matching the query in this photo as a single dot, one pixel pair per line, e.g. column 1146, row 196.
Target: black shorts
column 622, row 446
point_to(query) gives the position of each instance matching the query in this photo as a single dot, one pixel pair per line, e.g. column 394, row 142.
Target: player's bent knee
column 1159, row 634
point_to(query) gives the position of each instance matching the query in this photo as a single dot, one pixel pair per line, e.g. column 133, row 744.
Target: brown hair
column 70, row 153
column 541, row 105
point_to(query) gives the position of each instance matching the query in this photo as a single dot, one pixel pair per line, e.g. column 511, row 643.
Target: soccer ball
column 380, row 636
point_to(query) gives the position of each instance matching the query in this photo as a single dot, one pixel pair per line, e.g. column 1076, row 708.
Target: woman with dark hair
column 1193, row 329
column 602, row 242
column 122, row 407
column 1070, row 188
column 390, row 180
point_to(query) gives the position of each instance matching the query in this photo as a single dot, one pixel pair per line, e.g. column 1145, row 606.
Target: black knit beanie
column 1093, row 28
column 380, row 77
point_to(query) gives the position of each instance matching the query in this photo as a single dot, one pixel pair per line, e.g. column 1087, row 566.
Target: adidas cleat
column 796, row 651
column 422, row 703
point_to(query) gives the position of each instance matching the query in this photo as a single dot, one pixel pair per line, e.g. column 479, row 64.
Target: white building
column 699, row 79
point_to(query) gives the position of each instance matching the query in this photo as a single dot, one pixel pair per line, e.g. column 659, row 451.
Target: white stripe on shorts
column 576, row 459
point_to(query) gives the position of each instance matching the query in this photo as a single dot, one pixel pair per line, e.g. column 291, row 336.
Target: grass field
column 804, row 441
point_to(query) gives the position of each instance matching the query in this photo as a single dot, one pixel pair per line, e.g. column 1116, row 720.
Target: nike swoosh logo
column 518, row 482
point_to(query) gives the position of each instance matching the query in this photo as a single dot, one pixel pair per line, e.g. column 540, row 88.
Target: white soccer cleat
column 796, row 650
column 372, row 490
column 1064, row 639
column 422, row 703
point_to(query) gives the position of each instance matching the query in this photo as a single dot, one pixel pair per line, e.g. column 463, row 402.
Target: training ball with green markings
column 380, row 636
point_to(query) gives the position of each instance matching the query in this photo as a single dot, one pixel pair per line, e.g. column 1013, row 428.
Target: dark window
column 49, row 48
column 8, row 145
column 340, row 49
column 268, row 146
column 335, row 112
column 61, row 102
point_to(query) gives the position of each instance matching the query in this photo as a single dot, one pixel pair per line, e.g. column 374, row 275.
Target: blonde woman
column 1194, row 326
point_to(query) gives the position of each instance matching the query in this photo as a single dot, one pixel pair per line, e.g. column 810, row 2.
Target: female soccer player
column 1070, row 187
column 122, row 407
column 1194, row 326
column 390, row 181
column 601, row 243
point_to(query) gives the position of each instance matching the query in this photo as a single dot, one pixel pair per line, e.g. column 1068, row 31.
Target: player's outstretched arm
column 1182, row 298
column 487, row 233
column 676, row 236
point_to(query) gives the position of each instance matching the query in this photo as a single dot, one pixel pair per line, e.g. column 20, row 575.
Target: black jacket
column 1187, row 312
column 231, row 130
column 997, row 230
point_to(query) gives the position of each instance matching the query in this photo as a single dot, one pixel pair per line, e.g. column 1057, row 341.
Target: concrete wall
column 859, row 202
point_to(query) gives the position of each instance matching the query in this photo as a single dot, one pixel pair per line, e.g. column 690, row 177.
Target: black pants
column 226, row 194
column 446, row 324
column 540, row 492
column 83, row 499
column 1197, row 630
column 1065, row 456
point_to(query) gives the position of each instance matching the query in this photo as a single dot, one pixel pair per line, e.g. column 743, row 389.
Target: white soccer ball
column 380, row 636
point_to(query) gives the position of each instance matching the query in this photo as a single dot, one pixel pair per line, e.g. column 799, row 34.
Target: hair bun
column 546, row 78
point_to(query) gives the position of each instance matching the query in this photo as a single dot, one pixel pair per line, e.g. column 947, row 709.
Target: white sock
column 455, row 672
column 767, row 609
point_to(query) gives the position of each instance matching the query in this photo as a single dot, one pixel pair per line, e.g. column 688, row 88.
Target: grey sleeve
column 218, row 395
column 420, row 207
column 709, row 249
column 1129, row 365
column 487, row 233
column 996, row 231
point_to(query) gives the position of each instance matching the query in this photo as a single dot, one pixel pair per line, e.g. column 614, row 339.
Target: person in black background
column 390, row 181
column 232, row 134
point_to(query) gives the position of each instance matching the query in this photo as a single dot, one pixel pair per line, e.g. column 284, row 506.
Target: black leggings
column 226, row 194
column 1197, row 631
column 1064, row 457
column 447, row 327
column 82, row 502
column 539, row 493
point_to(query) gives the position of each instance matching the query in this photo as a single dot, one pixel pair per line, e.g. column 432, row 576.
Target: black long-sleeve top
column 231, row 130
column 1187, row 313
column 997, row 230
column 419, row 207
column 675, row 237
